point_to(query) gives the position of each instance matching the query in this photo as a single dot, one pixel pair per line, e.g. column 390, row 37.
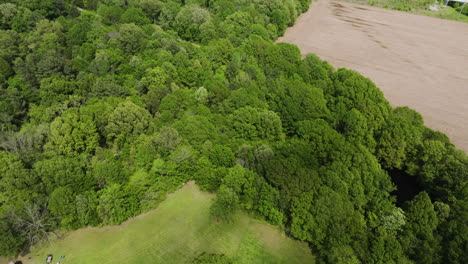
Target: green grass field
column 448, row 13
column 415, row 7
column 176, row 232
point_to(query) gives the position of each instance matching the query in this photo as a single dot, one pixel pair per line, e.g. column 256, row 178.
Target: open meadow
column 417, row 61
column 178, row 231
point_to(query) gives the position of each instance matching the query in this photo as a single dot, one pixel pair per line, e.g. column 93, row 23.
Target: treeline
column 106, row 106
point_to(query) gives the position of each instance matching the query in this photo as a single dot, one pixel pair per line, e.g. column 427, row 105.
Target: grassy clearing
column 448, row 13
column 419, row 7
column 178, row 231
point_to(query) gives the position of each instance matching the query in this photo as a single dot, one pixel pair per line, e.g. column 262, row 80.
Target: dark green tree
column 116, row 205
column 134, row 15
column 225, row 205
column 62, row 205
column 126, row 121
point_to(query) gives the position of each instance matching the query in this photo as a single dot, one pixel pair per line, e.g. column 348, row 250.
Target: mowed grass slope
column 176, row 232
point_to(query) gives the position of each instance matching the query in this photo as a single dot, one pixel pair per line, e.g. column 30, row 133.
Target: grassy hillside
column 178, row 231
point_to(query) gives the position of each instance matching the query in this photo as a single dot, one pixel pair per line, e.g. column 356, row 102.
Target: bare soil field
column 417, row 61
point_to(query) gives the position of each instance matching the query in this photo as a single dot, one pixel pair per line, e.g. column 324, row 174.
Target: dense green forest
column 108, row 105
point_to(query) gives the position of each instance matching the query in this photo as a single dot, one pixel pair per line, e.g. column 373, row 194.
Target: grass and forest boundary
column 421, row 7
column 108, row 105
column 180, row 230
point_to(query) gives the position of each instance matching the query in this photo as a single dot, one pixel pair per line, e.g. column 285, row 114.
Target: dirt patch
column 417, row 61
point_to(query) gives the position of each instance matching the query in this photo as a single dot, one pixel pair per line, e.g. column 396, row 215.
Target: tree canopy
column 107, row 106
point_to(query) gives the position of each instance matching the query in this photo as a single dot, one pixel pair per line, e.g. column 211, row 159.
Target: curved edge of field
column 415, row 60
column 176, row 232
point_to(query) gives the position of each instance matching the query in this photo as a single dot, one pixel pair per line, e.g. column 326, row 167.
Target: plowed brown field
column 417, row 61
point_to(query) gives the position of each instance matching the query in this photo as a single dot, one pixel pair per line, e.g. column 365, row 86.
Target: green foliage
column 268, row 203
column 168, row 138
column 108, row 86
column 135, row 16
column 222, row 156
column 169, row 13
column 406, row 5
column 63, row 171
column 190, row 20
column 206, row 258
column 254, row 124
column 5, row 70
column 196, row 129
column 152, row 8
column 246, row 241
column 107, row 172
column 225, row 205
column 354, row 127
column 126, row 121
column 105, row 61
column 398, row 141
column 86, row 208
column 297, row 101
column 27, row 143
column 418, row 233
column 10, row 242
column 116, row 205
column 154, row 81
column 394, row 221
column 456, row 230
column 72, row 134
column 242, row 182
column 107, row 106
column 14, row 176
column 175, row 105
column 62, row 205
column 109, row 14
column 207, row 176
column 132, row 38
column 325, row 219
column 56, row 89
